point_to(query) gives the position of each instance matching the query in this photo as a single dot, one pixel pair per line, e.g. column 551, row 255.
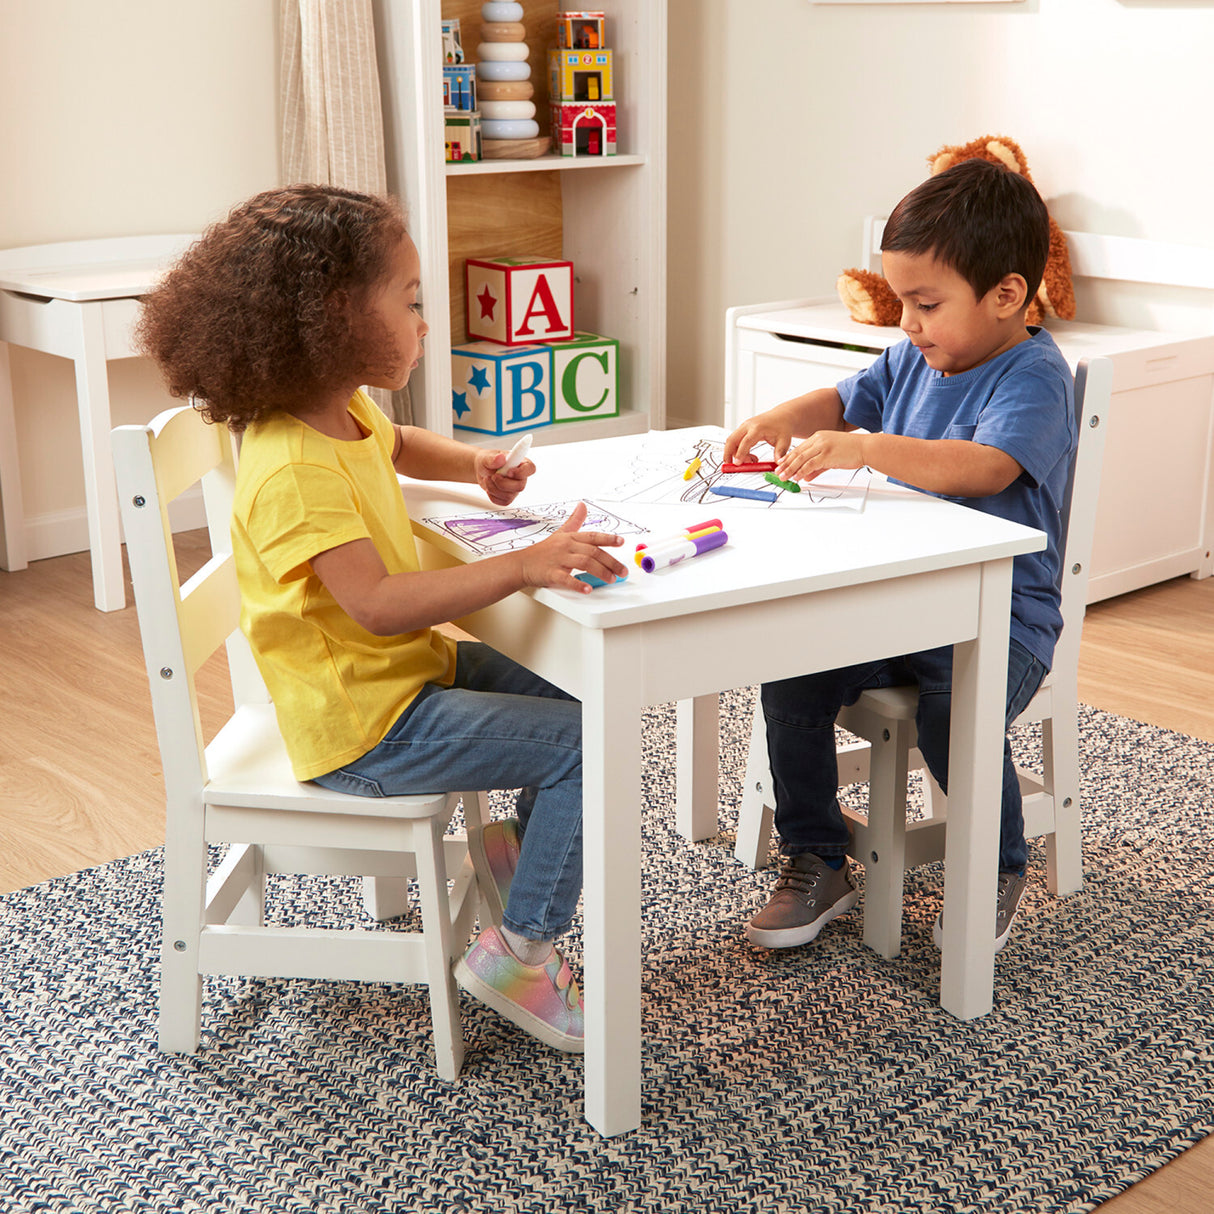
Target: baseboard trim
column 59, row 532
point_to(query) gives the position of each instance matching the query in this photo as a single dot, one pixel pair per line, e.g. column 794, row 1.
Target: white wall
column 792, row 120
column 789, row 121
column 117, row 118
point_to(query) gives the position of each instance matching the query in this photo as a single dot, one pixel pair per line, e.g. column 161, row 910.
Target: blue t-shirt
column 1022, row 403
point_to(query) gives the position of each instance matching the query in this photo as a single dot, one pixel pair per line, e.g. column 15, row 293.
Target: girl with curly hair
column 272, row 324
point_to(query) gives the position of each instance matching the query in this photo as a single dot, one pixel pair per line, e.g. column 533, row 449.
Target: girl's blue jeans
column 498, row 726
column 800, row 716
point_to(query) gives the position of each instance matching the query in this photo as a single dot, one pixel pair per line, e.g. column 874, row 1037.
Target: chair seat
column 249, row 767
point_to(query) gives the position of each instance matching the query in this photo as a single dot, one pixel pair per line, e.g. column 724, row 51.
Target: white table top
column 83, row 271
column 898, row 531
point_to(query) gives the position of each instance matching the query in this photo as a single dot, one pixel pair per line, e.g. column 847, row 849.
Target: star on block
column 487, row 301
column 479, row 379
column 459, row 403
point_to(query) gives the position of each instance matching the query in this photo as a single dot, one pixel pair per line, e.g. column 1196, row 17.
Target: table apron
column 53, row 326
column 750, row 643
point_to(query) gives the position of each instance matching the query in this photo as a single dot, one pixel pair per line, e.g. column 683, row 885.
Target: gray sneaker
column 1007, row 906
column 808, row 895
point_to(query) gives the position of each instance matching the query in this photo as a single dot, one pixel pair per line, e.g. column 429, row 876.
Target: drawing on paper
column 487, row 532
column 655, row 474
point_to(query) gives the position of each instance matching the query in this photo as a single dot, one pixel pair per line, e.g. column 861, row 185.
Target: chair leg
column 755, row 811
column 697, row 750
column 885, row 860
column 438, row 943
column 182, row 901
column 1064, row 848
column 385, row 898
column 476, row 818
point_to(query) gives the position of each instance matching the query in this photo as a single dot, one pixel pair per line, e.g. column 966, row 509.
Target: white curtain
column 332, row 120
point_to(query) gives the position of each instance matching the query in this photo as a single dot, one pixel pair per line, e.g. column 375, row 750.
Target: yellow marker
column 692, row 469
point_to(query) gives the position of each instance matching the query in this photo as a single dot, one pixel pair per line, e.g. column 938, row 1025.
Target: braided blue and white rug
column 822, row 1079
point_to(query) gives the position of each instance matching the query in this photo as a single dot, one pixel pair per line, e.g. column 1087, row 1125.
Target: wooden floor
column 80, row 773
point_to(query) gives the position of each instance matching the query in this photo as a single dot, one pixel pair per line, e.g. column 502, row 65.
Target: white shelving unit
column 613, row 209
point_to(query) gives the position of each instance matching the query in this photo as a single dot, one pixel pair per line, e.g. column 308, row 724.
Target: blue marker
column 757, row 495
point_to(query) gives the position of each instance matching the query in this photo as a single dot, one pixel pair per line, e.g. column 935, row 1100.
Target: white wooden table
column 77, row 300
column 792, row 592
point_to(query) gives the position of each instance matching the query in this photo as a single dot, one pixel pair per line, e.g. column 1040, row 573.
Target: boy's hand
column 501, row 488
column 551, row 562
column 820, row 452
column 766, row 427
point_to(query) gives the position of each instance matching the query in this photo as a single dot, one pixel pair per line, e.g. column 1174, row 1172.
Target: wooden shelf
column 611, row 225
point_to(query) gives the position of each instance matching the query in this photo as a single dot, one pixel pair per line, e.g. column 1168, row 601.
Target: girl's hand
column 551, row 562
column 501, row 488
column 826, row 449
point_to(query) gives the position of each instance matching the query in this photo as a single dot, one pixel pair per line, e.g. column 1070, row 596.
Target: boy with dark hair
column 974, row 406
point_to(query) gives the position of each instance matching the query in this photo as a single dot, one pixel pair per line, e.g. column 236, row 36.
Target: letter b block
column 516, row 301
column 585, row 378
column 498, row 390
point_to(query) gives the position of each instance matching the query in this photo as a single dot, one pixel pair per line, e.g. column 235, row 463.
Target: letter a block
column 585, row 378
column 497, row 389
column 519, row 301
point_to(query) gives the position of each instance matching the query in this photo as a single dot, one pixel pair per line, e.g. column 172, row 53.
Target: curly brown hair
column 254, row 317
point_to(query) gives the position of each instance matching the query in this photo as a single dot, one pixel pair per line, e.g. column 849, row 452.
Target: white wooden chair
column 239, row 790
column 883, row 840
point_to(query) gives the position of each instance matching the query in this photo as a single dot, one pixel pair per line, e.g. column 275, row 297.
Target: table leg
column 611, row 808
column 100, row 494
column 697, row 758
column 13, row 554
column 971, row 855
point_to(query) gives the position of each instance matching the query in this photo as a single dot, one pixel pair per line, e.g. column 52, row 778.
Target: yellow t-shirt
column 336, row 688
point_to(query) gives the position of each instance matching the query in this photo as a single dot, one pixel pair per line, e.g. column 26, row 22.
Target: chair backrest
column 1093, row 390
column 182, row 625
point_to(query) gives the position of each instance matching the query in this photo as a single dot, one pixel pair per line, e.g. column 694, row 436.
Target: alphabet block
column 519, row 301
column 498, row 389
column 585, row 378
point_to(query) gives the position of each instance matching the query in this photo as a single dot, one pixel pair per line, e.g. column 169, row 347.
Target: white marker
column 518, row 453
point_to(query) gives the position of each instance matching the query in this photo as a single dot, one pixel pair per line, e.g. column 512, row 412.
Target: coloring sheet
column 655, row 473
column 488, row 532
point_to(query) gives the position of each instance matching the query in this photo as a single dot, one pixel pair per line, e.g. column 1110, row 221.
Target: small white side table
column 77, row 300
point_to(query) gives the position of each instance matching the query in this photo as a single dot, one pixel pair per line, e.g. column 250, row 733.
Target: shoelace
column 804, row 882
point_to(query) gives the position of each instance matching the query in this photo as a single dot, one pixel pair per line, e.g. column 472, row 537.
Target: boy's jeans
column 801, row 715
column 498, row 726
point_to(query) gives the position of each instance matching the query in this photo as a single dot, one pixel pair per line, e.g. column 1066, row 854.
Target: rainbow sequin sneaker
column 543, row 1000
column 496, row 848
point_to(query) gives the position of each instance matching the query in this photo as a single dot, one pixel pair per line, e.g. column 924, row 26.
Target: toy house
column 581, row 30
column 453, row 47
column 462, row 135
column 581, row 88
column 583, row 130
column 461, row 118
column 519, row 301
column 580, row 75
column 459, row 86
